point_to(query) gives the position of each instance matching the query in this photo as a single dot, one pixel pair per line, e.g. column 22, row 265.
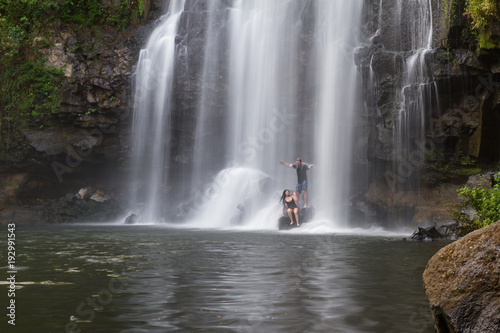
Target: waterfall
column 336, row 98
column 418, row 91
column 151, row 118
column 277, row 82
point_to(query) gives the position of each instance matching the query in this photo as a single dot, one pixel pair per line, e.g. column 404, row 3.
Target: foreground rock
column 462, row 282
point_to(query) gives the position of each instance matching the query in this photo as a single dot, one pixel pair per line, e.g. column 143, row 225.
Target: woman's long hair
column 283, row 196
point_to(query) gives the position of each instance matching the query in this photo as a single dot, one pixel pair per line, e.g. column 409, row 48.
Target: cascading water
column 260, row 107
column 336, row 95
column 210, row 99
column 289, row 91
column 418, row 91
column 151, row 119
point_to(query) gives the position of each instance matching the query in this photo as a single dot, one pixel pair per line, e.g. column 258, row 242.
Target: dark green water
column 91, row 278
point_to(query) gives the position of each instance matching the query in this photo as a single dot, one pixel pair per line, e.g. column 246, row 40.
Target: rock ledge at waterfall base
column 462, row 283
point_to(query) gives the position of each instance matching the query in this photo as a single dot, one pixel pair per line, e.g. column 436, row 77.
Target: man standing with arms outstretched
column 301, row 176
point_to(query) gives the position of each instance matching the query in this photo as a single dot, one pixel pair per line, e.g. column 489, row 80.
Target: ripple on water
column 185, row 280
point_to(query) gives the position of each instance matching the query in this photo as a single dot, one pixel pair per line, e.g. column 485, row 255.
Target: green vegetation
column 481, row 14
column 449, row 13
column 485, row 42
column 37, row 13
column 128, row 13
column 449, row 171
column 28, row 88
column 484, row 200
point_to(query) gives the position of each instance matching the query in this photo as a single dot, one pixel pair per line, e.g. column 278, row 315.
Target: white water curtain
column 275, row 54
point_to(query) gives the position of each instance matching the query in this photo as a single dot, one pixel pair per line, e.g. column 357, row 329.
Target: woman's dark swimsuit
column 291, row 204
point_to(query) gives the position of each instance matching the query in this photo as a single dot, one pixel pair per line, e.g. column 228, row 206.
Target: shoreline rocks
column 424, row 234
column 87, row 205
column 462, row 283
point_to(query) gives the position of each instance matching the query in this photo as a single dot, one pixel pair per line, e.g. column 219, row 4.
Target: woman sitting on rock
column 291, row 202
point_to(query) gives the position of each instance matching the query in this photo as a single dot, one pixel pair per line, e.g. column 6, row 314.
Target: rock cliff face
column 86, row 142
column 417, row 161
column 465, row 81
column 94, row 96
column 462, row 283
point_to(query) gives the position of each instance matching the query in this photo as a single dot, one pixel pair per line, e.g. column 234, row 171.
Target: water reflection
column 154, row 279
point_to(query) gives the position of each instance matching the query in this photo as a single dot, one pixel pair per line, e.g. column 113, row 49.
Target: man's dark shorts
column 301, row 187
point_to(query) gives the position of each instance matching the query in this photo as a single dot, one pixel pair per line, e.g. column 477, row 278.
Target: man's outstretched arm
column 287, row 164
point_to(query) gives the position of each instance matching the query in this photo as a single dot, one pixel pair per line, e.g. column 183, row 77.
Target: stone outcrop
column 88, row 137
column 388, row 207
column 462, row 282
column 88, row 205
column 428, row 234
column 458, row 92
column 11, row 186
column 95, row 96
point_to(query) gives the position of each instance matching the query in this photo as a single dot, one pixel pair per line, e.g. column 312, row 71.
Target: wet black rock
column 305, row 215
column 132, row 219
column 88, row 205
column 425, row 234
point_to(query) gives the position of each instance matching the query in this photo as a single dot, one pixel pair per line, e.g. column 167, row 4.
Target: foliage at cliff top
column 27, row 87
column 87, row 12
column 484, row 200
column 481, row 12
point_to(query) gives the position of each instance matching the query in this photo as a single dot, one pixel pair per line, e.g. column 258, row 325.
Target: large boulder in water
column 462, row 282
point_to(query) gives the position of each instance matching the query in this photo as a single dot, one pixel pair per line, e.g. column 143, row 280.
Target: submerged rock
column 462, row 283
column 132, row 219
column 425, row 234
